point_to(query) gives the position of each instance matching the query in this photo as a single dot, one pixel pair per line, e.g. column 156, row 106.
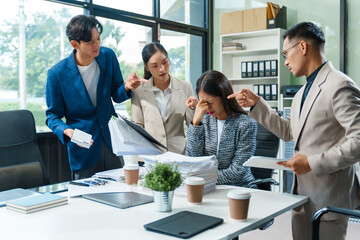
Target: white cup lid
column 238, row 194
column 131, row 167
column 194, row 181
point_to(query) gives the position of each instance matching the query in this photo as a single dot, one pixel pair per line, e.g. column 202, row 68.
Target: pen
column 80, row 184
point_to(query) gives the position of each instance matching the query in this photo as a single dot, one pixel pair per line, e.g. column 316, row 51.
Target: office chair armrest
column 257, row 182
column 317, row 216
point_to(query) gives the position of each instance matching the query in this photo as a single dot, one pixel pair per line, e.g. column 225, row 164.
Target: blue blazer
column 66, row 96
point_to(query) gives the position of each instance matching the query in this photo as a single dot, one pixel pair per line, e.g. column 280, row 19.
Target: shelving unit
column 257, row 46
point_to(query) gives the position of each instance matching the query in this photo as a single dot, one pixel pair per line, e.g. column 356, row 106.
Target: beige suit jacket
column 145, row 111
column 328, row 132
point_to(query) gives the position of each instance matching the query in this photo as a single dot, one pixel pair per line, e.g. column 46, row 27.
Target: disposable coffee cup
column 239, row 204
column 194, row 189
column 131, row 173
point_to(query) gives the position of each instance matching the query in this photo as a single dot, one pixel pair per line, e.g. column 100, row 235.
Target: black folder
column 243, row 70
column 142, row 131
column 249, row 69
column 255, row 68
column 183, row 224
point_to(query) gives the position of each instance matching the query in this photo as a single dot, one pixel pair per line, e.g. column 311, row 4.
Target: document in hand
column 126, row 140
column 265, row 162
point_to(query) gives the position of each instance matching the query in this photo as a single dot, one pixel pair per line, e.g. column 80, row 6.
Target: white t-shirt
column 163, row 100
column 90, row 77
column 220, row 126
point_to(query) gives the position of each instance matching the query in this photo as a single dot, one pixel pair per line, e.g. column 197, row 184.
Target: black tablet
column 184, row 224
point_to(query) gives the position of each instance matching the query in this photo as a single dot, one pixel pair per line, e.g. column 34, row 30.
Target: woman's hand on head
column 133, row 81
column 191, row 102
column 200, row 110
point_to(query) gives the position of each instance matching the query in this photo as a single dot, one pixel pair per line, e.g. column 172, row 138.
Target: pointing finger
column 232, row 95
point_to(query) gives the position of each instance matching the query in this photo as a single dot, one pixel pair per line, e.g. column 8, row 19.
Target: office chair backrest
column 18, row 141
column 267, row 144
column 26, row 175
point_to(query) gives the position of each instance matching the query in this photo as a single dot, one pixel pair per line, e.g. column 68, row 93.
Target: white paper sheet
column 265, row 162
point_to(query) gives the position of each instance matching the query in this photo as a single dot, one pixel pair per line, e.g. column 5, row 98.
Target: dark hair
column 147, row 52
column 308, row 31
column 216, row 84
column 79, row 28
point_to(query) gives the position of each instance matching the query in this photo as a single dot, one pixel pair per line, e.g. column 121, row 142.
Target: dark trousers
column 108, row 160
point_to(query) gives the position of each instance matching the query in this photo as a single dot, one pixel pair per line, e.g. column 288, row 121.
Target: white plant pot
column 163, row 201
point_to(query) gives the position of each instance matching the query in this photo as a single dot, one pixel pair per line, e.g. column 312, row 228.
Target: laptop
column 184, row 224
column 120, row 199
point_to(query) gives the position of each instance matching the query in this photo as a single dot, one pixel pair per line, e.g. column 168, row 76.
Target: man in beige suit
column 325, row 127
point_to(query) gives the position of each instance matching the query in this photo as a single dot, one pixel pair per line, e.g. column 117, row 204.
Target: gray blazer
column 328, row 132
column 145, row 111
column 237, row 144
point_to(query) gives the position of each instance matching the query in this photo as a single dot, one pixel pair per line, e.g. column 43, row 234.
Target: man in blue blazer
column 81, row 88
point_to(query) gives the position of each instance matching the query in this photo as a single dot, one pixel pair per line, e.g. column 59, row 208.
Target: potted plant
column 163, row 179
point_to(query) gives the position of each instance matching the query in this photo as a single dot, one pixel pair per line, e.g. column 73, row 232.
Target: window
column 185, row 11
column 33, row 39
column 144, row 7
column 184, row 50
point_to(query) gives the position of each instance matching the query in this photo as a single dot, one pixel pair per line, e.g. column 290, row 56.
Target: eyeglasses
column 285, row 52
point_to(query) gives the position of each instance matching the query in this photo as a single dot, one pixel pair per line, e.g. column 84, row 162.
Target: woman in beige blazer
column 159, row 105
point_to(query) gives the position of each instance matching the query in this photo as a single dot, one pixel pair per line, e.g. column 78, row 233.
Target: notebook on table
column 183, row 224
column 15, row 194
column 120, row 199
column 36, row 203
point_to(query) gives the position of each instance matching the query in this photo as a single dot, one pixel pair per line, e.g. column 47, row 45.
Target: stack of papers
column 36, row 203
column 205, row 167
column 127, row 138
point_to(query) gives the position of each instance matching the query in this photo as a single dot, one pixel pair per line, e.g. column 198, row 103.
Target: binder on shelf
column 261, row 69
column 267, row 92
column 273, row 68
column 256, row 89
column 261, row 90
column 255, row 67
column 274, row 94
column 249, row 69
column 267, row 68
column 243, row 70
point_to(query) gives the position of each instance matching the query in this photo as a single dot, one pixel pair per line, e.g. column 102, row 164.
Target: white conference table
column 85, row 219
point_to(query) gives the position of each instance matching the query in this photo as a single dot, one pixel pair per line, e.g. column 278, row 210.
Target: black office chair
column 267, row 145
column 317, row 217
column 21, row 164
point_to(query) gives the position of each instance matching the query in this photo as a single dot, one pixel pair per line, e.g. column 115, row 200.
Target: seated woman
column 159, row 106
column 221, row 127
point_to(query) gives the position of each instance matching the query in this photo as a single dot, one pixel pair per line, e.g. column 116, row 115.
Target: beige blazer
column 328, row 132
column 145, row 111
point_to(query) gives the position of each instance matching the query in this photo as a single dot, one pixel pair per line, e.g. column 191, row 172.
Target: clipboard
column 142, row 131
